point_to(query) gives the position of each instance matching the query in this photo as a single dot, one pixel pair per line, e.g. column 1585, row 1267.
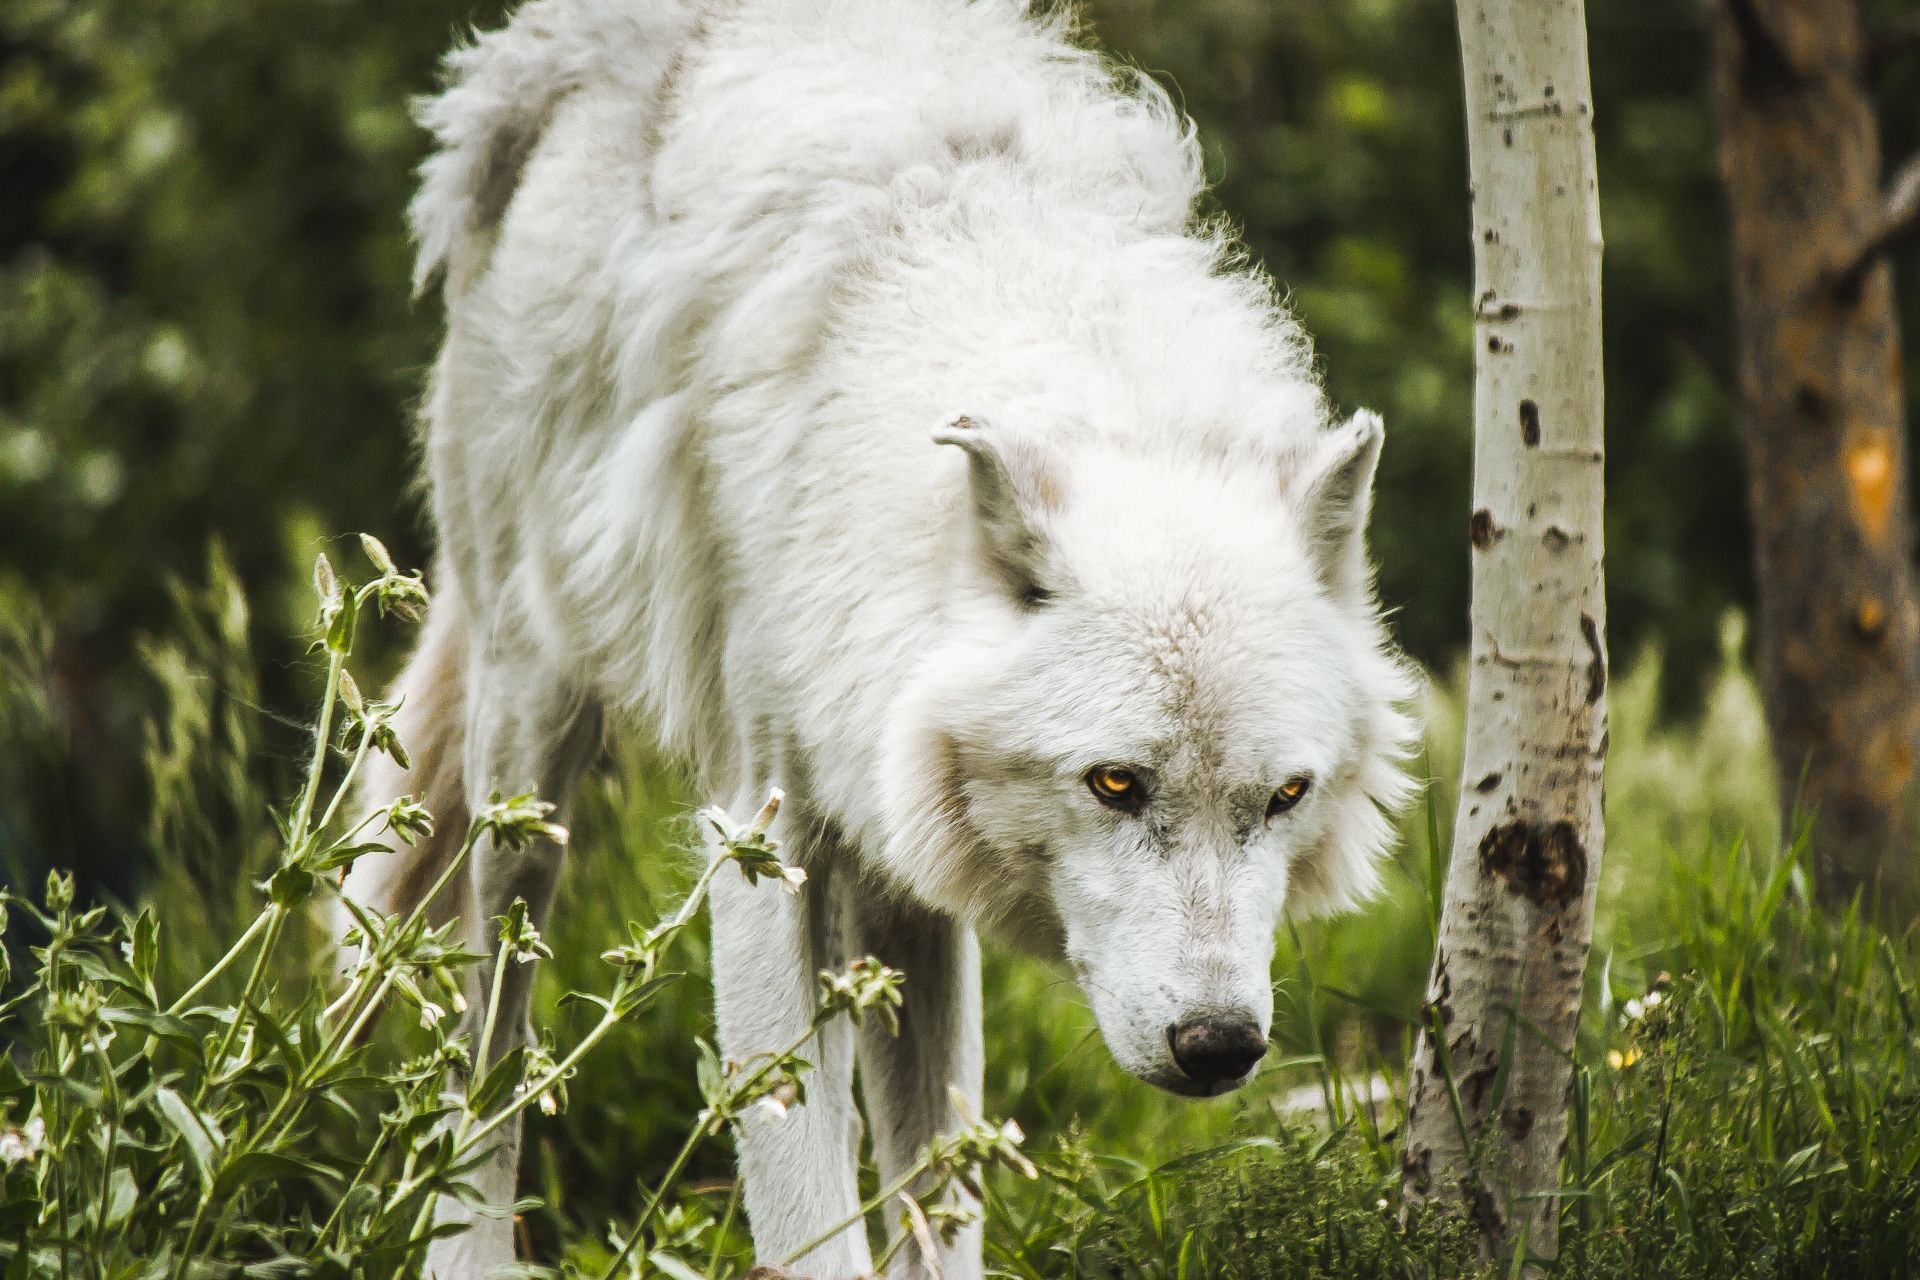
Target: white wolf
column 846, row 394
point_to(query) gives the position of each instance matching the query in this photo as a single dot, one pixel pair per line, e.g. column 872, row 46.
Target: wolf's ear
column 1332, row 488
column 1016, row 484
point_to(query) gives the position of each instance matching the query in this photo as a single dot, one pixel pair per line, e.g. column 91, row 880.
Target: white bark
column 1527, row 840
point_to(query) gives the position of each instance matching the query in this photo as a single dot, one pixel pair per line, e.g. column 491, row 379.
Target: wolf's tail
column 500, row 94
column 431, row 725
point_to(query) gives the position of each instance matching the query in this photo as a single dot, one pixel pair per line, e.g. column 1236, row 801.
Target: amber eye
column 1291, row 793
column 1116, row 787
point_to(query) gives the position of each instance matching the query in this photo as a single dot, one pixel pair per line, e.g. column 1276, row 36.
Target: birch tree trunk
column 1822, row 419
column 1487, row 1099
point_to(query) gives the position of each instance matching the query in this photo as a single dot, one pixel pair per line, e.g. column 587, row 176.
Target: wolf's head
column 1165, row 717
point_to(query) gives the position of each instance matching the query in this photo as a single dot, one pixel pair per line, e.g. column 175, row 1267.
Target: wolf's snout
column 1215, row 1049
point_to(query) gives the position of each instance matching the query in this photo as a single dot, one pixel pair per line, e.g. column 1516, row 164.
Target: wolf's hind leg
column 800, row 1170
column 909, row 1080
column 526, row 731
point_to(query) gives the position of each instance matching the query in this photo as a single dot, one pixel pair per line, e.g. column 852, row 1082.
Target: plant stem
column 659, row 938
column 559, row 1072
column 193, row 1234
column 220, row 966
column 480, row 1062
column 345, row 788
column 59, row 1174
column 359, row 1174
column 382, row 962
column 886, row 1193
column 480, row 1054
column 706, row 1129
column 112, row 1090
column 701, row 1132
column 726, row 1224
column 894, row 1246
column 276, row 917
column 664, row 934
column 298, row 834
column 322, row 734
column 361, row 1011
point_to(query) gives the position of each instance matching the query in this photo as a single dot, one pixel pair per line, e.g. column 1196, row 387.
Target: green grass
column 1761, row 1119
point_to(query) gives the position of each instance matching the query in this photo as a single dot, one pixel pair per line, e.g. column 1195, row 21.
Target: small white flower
column 1633, row 1009
column 1652, row 1000
column 431, row 1013
column 21, row 1144
column 459, row 1002
column 549, row 1105
column 792, row 878
column 769, row 1108
column 1381, row 1203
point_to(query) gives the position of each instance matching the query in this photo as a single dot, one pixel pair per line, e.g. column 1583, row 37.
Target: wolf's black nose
column 1216, row 1048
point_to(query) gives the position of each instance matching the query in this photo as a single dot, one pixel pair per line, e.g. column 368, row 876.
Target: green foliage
column 279, row 1128
column 204, row 267
column 1758, row 1116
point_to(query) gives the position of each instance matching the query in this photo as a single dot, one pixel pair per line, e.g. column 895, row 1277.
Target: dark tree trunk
column 1820, row 410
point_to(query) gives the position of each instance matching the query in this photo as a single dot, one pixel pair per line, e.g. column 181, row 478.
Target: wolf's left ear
column 1332, row 488
column 1016, row 484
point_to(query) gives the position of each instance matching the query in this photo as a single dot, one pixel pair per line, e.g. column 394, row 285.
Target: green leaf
column 270, row 1166
column 667, row 1264
column 171, row 1028
column 498, row 1082
column 200, row 1133
column 340, row 629
column 122, row 1193
column 291, row 885
column 340, row 855
column 14, row 1087
column 289, row 1052
column 146, row 944
column 712, row 1078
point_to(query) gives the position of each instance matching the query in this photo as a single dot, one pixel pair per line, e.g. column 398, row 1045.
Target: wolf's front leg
column 909, row 1080
column 800, row 1169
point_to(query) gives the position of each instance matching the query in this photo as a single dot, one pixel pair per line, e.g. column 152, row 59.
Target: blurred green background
column 206, row 336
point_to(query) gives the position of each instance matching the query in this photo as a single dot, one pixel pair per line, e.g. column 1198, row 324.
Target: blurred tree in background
column 206, row 335
column 1822, row 411
column 205, row 331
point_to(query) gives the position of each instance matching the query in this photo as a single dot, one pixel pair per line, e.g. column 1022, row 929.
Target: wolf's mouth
column 1176, row 1082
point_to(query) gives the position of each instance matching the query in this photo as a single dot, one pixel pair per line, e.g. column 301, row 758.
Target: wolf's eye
column 1291, row 793
column 1117, row 787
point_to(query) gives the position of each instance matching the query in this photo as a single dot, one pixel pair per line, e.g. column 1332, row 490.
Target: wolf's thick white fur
column 725, row 281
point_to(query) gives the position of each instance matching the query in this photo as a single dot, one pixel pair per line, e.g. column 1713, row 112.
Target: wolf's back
column 501, row 91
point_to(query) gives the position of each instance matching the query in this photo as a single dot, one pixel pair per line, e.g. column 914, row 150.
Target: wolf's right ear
column 1016, row 483
column 1332, row 484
